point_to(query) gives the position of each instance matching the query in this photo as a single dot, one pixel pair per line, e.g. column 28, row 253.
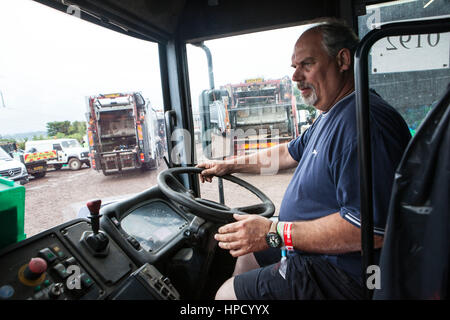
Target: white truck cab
column 69, row 152
column 12, row 169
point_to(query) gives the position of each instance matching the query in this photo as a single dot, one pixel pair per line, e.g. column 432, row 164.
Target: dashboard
column 141, row 245
column 153, row 225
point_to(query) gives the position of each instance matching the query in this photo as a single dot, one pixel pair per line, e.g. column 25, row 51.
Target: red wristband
column 287, row 233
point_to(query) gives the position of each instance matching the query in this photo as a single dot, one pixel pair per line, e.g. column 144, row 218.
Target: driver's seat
column 415, row 258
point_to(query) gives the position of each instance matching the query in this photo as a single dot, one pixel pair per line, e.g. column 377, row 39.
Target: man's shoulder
column 375, row 101
column 381, row 112
column 384, row 116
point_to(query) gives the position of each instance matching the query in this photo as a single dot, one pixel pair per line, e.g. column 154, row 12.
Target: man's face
column 316, row 73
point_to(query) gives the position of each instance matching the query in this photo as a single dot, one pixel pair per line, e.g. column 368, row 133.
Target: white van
column 69, row 151
column 12, row 169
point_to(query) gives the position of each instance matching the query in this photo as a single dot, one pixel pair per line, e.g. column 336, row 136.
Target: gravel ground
column 59, row 196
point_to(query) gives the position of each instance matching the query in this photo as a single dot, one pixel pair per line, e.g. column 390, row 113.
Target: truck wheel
column 151, row 165
column 38, row 175
column 74, row 164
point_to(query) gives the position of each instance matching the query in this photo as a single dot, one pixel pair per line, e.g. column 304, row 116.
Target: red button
column 37, row 265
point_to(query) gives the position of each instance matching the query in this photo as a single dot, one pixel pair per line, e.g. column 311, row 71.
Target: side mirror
column 215, row 125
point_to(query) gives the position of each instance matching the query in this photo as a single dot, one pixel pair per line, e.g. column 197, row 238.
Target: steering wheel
column 208, row 209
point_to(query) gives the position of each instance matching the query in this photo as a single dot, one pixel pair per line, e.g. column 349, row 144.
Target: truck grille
column 10, row 172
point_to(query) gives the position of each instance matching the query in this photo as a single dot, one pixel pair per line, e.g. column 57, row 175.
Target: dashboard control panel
column 116, row 257
column 73, row 262
column 45, row 269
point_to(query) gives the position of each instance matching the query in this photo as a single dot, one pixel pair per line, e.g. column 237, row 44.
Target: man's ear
column 344, row 59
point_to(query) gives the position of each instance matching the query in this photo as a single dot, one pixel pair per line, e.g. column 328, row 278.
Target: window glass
column 249, row 104
column 411, row 72
column 51, row 63
column 4, row 154
column 71, row 144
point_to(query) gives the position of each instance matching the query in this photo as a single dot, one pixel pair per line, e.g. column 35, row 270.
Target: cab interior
column 159, row 244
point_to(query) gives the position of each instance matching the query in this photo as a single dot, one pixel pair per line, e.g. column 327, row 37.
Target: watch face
column 273, row 240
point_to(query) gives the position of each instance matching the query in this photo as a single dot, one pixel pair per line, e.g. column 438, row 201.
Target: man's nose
column 297, row 76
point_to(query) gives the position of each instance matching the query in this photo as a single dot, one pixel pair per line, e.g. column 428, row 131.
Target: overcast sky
column 50, row 61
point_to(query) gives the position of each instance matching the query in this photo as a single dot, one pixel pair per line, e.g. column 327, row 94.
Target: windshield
column 71, row 144
column 252, row 104
column 3, row 154
column 59, row 114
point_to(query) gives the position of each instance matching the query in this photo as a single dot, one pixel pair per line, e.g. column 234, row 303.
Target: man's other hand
column 246, row 235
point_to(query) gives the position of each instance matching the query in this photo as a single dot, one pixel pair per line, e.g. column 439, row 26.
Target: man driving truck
column 319, row 218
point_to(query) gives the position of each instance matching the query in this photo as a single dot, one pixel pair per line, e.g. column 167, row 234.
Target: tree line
column 55, row 130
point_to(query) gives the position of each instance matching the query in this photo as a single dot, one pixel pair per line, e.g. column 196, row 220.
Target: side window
column 57, row 147
column 411, row 72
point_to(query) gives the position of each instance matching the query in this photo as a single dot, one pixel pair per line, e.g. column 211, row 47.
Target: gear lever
column 94, row 208
column 95, row 241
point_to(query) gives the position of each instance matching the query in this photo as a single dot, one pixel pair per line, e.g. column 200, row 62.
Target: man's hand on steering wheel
column 169, row 184
column 213, row 168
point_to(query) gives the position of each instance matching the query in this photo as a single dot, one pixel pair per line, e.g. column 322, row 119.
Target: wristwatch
column 273, row 239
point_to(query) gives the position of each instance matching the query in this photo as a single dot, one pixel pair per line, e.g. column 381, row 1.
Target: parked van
column 12, row 169
column 69, row 152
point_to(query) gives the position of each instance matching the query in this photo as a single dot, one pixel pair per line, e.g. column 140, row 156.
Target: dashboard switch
column 6, row 292
column 47, row 255
column 61, row 254
column 56, row 290
column 86, row 281
column 70, row 261
column 61, row 270
column 134, row 242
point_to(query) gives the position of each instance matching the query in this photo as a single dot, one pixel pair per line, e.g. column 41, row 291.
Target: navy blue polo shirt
column 326, row 179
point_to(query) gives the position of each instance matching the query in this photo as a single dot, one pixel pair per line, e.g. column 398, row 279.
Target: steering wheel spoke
column 177, row 186
column 252, row 209
column 212, row 204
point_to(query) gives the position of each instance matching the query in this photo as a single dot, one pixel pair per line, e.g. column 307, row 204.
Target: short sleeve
column 346, row 178
column 297, row 145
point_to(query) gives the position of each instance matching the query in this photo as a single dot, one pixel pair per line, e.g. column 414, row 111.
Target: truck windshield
column 91, row 73
column 250, row 104
column 71, row 144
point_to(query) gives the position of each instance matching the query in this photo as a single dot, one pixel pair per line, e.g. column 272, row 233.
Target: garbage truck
column 257, row 113
column 122, row 133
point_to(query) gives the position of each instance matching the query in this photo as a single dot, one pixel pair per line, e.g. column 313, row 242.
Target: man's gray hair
column 336, row 35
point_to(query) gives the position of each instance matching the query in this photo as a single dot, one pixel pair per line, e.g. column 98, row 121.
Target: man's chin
column 309, row 100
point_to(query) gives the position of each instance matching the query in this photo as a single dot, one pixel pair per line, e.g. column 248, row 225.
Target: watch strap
column 273, row 227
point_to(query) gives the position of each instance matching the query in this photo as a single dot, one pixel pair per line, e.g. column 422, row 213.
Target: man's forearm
column 328, row 235
column 268, row 160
